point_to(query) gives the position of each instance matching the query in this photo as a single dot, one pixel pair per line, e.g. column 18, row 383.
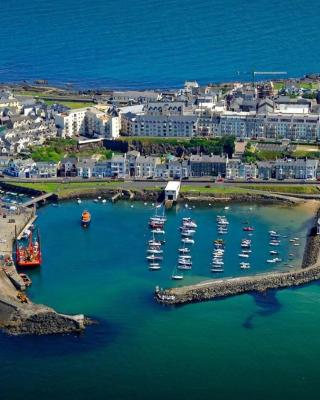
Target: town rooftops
column 207, row 159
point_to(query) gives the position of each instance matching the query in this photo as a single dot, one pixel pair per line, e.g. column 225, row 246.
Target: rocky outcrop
column 27, row 318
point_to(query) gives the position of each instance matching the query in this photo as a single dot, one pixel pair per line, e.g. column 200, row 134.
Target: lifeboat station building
column 171, row 192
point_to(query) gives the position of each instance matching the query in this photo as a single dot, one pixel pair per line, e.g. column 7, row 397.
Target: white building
column 88, row 122
column 171, row 192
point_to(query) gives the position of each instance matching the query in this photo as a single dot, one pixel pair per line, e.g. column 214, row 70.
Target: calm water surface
column 245, row 347
column 154, row 43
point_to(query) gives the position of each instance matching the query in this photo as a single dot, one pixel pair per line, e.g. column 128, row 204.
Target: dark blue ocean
column 142, row 44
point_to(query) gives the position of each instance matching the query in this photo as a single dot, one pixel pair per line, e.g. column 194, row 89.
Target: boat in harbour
column 85, row 218
column 187, row 240
column 29, row 255
column 184, row 250
column 154, row 266
column 244, row 265
column 243, row 255
column 154, row 257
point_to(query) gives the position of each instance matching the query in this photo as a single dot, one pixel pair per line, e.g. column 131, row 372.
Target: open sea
column 244, row 347
column 144, row 44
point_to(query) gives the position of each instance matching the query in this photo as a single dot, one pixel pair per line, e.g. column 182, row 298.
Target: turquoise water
column 245, row 347
column 155, row 43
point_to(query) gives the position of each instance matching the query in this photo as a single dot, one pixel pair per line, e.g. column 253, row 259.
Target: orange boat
column 30, row 254
column 85, row 218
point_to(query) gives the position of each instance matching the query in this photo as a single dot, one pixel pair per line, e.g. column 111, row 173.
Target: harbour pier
column 225, row 287
column 18, row 315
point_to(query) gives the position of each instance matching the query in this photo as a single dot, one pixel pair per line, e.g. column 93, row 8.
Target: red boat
column 248, row 228
column 30, row 254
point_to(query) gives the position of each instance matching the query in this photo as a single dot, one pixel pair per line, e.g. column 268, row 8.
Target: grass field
column 70, row 104
column 65, row 189
column 214, row 190
column 287, row 189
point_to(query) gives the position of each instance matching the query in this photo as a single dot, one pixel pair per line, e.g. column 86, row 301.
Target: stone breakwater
column 214, row 289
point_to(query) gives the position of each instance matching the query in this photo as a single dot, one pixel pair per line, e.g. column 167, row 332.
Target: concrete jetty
column 18, row 315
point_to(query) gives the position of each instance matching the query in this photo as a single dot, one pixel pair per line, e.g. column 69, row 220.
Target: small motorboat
column 177, row 277
column 274, row 243
column 159, row 231
column 248, row 229
column 154, row 257
column 273, row 252
column 184, row 257
column 244, row 265
column 155, row 251
column 217, row 269
column 79, row 201
column 184, row 250
column 187, row 240
column 184, row 267
column 271, row 261
column 243, row 255
column 154, row 266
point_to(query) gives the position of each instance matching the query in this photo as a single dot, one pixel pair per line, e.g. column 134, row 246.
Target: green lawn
column 213, row 189
column 70, row 104
column 65, row 189
column 287, row 189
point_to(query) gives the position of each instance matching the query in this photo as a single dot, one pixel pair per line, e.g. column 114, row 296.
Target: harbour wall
column 18, row 315
column 215, row 289
column 219, row 288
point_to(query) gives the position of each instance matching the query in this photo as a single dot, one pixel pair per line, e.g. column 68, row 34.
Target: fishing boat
column 29, row 255
column 85, row 218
